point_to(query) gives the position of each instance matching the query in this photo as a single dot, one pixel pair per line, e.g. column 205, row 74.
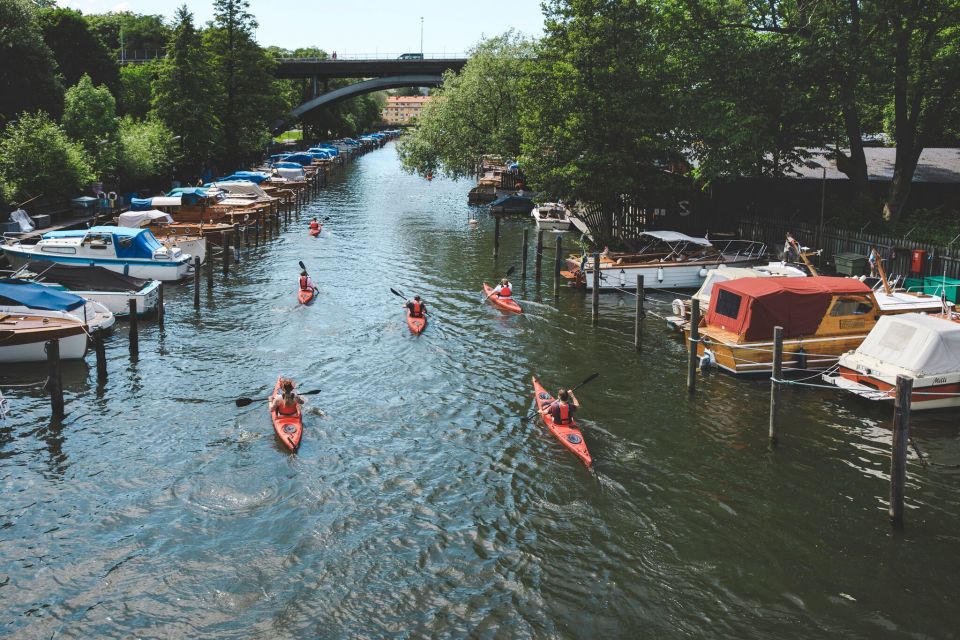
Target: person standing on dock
column 503, row 290
column 561, row 409
column 417, row 307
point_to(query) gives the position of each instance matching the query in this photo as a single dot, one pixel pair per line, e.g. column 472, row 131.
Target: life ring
column 112, row 196
column 679, row 309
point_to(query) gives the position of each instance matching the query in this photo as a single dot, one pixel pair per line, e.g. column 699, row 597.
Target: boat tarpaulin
column 925, row 345
column 676, row 236
column 136, row 218
column 84, row 278
column 752, row 307
column 166, row 201
column 36, row 296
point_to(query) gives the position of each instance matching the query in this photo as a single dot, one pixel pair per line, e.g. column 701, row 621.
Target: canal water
column 420, row 504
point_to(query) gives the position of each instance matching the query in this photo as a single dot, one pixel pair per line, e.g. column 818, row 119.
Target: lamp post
column 421, row 36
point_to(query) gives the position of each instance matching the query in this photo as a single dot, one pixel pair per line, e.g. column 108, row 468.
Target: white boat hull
column 929, row 392
column 665, row 276
column 169, row 271
column 71, row 348
column 94, row 315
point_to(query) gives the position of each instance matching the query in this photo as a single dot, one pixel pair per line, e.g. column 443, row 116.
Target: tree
column 183, row 95
column 138, row 34
column 76, row 48
column 28, row 79
column 90, row 117
column 37, row 157
column 136, row 88
column 475, row 113
column 147, row 151
column 249, row 103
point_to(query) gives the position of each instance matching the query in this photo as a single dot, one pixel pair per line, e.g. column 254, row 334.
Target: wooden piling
column 196, row 282
column 775, row 375
column 54, row 383
column 225, row 245
column 134, row 328
column 640, row 314
column 523, row 257
column 595, row 301
column 692, row 345
column 539, row 255
column 100, row 350
column 557, row 262
column 496, row 236
column 898, row 452
column 160, row 308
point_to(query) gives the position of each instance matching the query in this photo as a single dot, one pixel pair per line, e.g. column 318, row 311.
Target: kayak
column 569, row 435
column 417, row 325
column 315, row 232
column 288, row 428
column 507, row 304
column 305, row 296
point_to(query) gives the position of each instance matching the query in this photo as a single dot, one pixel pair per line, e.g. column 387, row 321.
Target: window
column 728, row 304
column 850, row 307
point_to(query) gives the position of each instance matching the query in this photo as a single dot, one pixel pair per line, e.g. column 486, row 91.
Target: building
column 403, row 109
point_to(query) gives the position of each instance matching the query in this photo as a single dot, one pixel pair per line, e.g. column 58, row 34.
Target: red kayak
column 316, row 232
column 417, row 325
column 288, row 428
column 568, row 434
column 305, row 296
column 507, row 304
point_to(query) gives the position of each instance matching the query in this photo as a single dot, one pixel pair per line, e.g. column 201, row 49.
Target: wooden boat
column 23, row 297
column 822, row 317
column 112, row 290
column 923, row 347
column 666, row 260
column 551, row 216
column 23, row 337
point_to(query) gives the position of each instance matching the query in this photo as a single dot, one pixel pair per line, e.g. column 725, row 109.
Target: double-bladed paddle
column 589, row 378
column 303, row 266
column 507, row 275
column 242, row 402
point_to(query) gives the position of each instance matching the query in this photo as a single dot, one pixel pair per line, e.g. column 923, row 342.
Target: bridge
column 380, row 74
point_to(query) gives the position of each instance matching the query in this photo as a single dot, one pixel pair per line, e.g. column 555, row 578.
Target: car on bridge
column 410, row 56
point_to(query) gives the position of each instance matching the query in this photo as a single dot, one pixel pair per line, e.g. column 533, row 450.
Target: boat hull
column 18, row 348
column 171, row 271
column 666, row 275
column 929, row 392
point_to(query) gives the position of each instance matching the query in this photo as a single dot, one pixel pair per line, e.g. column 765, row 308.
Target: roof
column 676, row 236
column 36, row 296
column 413, row 99
column 919, row 344
column 716, row 276
column 936, row 165
column 124, row 232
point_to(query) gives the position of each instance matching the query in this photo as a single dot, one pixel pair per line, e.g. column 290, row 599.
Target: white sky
column 352, row 27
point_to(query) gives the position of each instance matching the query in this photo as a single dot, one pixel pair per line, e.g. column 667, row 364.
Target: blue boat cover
column 302, row 159
column 512, row 201
column 288, row 165
column 141, row 204
column 253, row 176
column 16, row 292
column 128, row 242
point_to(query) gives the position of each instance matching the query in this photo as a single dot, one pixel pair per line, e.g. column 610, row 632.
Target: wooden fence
column 896, row 253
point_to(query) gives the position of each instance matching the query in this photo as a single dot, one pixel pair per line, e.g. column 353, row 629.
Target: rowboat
column 507, row 304
column 417, row 325
column 569, row 435
column 288, row 428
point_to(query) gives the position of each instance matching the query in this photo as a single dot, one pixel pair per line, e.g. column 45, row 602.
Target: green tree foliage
column 37, row 157
column 140, row 34
column 247, row 104
column 136, row 88
column 77, row 50
column 28, row 79
column 475, row 113
column 184, row 96
column 147, row 151
column 90, row 117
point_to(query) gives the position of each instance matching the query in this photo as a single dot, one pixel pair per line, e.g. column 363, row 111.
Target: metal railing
column 361, row 57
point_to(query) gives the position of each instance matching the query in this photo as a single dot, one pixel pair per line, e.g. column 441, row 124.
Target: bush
column 147, row 151
column 37, row 157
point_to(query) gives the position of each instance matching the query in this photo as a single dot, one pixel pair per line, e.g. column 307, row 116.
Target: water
column 419, row 503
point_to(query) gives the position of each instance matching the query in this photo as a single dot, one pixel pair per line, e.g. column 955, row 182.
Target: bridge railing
column 355, row 57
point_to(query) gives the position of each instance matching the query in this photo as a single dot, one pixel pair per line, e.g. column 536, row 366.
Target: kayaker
column 315, row 225
column 503, row 290
column 306, row 283
column 286, row 403
column 561, row 409
column 417, row 307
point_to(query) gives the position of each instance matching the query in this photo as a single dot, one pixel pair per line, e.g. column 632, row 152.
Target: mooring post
column 692, row 346
column 496, row 236
column 101, row 351
column 54, row 378
column 640, row 314
column 225, row 245
column 209, row 265
column 557, row 262
column 160, row 309
column 196, row 282
column 775, row 376
column 898, row 452
column 236, row 241
column 539, row 255
column 523, row 257
column 134, row 328
column 595, row 301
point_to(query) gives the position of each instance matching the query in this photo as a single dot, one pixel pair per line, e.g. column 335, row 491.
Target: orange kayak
column 507, row 304
column 305, row 296
column 288, row 428
column 569, row 435
column 417, row 325
column 315, row 232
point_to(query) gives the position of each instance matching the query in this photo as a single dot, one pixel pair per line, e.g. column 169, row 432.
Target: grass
column 292, row 134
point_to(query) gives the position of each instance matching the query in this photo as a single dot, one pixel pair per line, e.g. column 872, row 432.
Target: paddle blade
column 397, row 293
column 303, row 266
column 242, row 402
column 511, row 270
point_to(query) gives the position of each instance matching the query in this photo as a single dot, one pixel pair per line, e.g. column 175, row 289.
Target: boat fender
column 623, row 278
column 126, row 269
column 659, row 274
column 679, row 309
column 707, row 360
column 703, row 273
column 801, row 358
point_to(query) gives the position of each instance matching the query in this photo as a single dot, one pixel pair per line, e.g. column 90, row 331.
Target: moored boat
column 23, row 337
column 22, row 297
column 111, row 289
column 552, row 216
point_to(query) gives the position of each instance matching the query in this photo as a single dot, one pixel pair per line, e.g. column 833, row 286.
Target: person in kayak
column 562, row 409
column 503, row 290
column 286, row 403
column 417, row 307
column 306, row 282
column 315, row 225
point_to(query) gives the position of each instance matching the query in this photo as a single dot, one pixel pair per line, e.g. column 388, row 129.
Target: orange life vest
column 281, row 409
column 417, row 309
column 561, row 412
column 303, row 283
column 314, row 225
column 505, row 292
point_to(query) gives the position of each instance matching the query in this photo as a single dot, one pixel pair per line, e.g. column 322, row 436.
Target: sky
column 352, row 27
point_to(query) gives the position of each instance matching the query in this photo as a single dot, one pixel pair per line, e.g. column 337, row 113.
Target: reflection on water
column 420, row 504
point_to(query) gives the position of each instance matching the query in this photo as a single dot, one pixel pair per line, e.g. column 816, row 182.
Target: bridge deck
column 326, row 68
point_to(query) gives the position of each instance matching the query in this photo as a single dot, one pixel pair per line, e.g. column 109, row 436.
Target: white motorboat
column 666, row 260
column 161, row 225
column 134, row 252
column 551, row 216
column 23, row 337
column 112, row 290
column 923, row 347
column 22, row 297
